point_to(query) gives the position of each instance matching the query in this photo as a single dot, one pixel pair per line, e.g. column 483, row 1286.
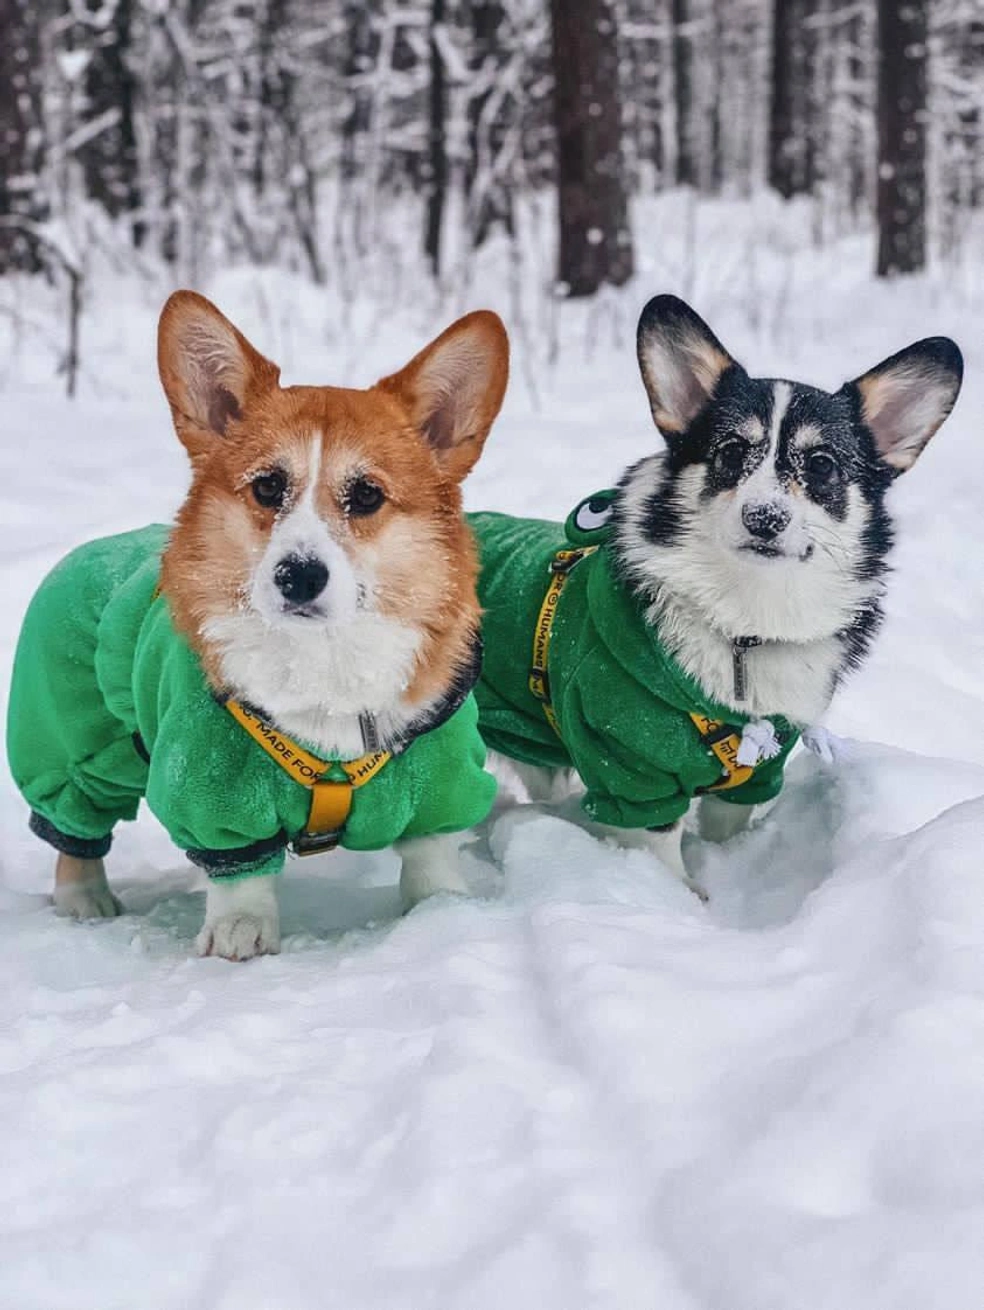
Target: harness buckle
column 565, row 560
column 539, row 684
column 316, row 843
column 721, row 733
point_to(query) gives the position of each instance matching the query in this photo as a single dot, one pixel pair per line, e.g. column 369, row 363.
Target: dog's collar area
column 740, row 646
column 331, row 797
column 370, row 732
column 738, row 753
column 465, row 678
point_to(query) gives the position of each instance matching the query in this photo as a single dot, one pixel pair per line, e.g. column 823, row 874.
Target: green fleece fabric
column 99, row 660
column 621, row 701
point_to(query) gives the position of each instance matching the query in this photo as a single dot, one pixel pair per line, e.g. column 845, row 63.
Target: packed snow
column 582, row 1088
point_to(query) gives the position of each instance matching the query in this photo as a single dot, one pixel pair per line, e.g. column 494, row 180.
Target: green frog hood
column 623, row 705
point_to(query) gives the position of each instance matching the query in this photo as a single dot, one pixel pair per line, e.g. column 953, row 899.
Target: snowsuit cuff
column 754, row 792
column 83, row 848
column 618, row 813
column 259, row 857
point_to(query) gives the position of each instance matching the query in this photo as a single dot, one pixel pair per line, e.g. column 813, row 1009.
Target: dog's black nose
column 766, row 519
column 300, row 578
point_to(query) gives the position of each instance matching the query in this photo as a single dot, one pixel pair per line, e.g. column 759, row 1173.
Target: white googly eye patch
column 593, row 514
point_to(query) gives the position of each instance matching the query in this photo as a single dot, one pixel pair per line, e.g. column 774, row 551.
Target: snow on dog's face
column 766, row 511
column 321, row 557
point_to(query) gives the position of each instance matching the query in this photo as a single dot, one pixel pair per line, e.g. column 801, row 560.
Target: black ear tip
column 947, row 353
column 663, row 310
column 938, row 355
column 941, row 351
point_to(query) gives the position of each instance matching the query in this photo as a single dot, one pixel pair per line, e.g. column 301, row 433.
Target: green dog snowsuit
column 109, row 705
column 610, row 702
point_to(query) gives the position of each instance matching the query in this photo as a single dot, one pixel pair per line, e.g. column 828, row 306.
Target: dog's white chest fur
column 314, row 684
column 792, row 679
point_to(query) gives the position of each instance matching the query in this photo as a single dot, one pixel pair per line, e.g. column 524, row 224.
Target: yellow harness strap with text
column 331, row 799
column 721, row 741
column 539, row 680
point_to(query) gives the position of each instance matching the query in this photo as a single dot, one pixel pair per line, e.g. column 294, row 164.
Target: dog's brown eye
column 364, row 497
column 270, row 489
column 729, row 458
column 820, row 466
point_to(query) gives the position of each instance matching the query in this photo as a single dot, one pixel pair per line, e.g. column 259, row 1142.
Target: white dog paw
column 825, row 745
column 86, row 900
column 241, row 919
column 430, row 866
column 240, row 937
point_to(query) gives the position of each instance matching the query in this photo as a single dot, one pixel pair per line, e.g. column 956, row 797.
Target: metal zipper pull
column 370, row 733
column 739, row 648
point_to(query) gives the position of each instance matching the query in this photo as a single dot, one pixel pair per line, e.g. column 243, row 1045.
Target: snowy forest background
column 172, row 138
column 582, row 1089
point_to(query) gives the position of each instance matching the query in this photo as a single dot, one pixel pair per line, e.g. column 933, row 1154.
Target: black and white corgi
column 751, row 555
column 765, row 516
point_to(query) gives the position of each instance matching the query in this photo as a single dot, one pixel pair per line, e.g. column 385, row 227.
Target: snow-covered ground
column 584, row 1088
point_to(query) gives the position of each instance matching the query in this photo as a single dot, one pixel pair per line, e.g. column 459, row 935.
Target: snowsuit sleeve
column 454, row 791
column 232, row 830
column 628, row 756
column 766, row 782
column 221, row 799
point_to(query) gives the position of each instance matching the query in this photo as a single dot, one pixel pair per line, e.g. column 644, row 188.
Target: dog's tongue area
column 589, row 1091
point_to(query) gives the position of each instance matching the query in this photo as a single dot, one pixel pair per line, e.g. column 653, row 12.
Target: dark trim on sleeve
column 83, row 848
column 238, row 860
column 466, row 675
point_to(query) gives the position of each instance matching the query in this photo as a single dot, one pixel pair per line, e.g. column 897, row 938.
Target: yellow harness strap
column 721, row 741
column 539, row 681
column 331, row 799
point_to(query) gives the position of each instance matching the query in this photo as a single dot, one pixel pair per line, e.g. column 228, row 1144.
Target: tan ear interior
column 453, row 389
column 904, row 402
column 208, row 369
column 680, row 369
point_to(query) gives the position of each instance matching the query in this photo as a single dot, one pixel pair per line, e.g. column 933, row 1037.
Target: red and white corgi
column 319, row 578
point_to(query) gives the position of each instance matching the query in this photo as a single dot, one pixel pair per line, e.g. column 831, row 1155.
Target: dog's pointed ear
column 454, row 388
column 905, row 399
column 681, row 361
column 208, row 369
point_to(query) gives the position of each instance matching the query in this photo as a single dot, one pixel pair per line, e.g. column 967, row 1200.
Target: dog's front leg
column 543, row 786
column 241, row 919
column 719, row 821
column 430, row 865
column 665, row 843
column 81, row 889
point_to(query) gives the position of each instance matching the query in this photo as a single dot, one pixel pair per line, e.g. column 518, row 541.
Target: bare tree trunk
column 275, row 91
column 595, row 239
column 361, row 56
column 901, row 136
column 489, row 193
column 963, row 140
column 687, row 167
column 857, row 168
column 110, row 163
column 437, row 159
column 21, row 136
column 719, row 53
column 792, row 131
